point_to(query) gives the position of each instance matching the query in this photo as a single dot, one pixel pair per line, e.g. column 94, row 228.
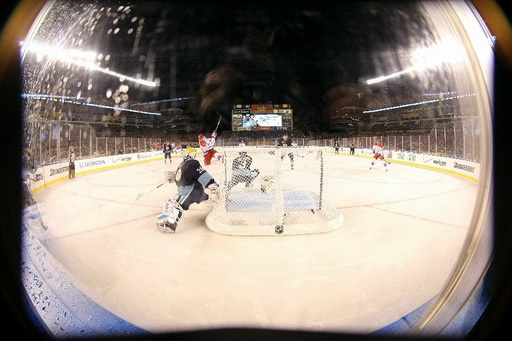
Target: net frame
column 281, row 192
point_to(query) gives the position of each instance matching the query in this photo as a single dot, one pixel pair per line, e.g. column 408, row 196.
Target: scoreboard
column 261, row 117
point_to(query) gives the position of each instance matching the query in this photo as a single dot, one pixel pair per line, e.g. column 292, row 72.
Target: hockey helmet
column 201, row 137
column 190, row 152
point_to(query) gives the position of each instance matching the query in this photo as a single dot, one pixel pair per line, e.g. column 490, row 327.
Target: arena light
column 71, row 100
column 51, row 97
column 393, row 75
column 118, row 108
column 176, row 99
column 418, row 103
column 84, row 59
column 400, row 106
column 448, row 51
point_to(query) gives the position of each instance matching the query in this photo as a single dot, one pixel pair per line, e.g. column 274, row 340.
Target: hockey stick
column 218, row 122
column 140, row 195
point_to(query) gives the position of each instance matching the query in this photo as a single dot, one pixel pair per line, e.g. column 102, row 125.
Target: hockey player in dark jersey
column 286, row 142
column 191, row 180
column 167, row 152
column 242, row 171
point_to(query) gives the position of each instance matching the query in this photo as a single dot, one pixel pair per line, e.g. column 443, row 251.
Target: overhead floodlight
column 448, row 51
column 73, row 100
column 393, row 75
column 419, row 103
column 84, row 59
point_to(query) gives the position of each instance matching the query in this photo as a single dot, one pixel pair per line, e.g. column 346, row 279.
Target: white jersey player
column 207, row 147
column 378, row 154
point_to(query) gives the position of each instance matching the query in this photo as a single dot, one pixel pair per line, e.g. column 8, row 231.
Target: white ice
column 403, row 231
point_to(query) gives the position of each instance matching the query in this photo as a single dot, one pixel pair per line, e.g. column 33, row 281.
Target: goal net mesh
column 269, row 191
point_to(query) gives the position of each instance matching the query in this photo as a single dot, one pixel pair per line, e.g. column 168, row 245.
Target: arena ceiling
column 175, row 66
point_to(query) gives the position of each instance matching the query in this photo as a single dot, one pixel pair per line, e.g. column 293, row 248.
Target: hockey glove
column 213, row 186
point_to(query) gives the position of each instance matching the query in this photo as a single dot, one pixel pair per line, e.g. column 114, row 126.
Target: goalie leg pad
column 171, row 215
column 173, row 209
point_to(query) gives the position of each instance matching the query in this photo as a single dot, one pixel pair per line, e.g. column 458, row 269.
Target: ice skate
column 164, row 225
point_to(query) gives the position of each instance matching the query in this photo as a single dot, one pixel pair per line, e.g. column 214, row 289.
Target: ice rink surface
column 402, row 234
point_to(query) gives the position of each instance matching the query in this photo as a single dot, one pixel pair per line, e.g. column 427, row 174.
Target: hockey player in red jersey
column 191, row 180
column 207, row 147
column 378, row 154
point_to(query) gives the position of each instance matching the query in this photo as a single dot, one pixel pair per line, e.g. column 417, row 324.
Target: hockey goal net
column 273, row 191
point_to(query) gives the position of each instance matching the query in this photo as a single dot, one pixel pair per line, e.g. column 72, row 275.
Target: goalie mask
column 189, row 153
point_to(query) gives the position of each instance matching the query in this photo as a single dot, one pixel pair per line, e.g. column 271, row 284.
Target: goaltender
column 191, row 180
